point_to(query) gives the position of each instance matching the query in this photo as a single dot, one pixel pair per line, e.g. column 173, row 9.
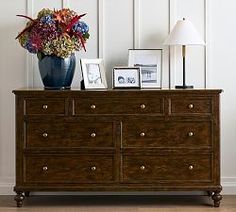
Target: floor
column 117, row 204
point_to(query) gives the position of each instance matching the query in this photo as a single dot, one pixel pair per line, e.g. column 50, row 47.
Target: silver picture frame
column 150, row 63
column 93, row 73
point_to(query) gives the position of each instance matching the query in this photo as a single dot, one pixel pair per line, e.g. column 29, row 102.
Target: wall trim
column 229, row 185
column 29, row 56
column 207, row 40
column 65, row 3
column 6, row 186
column 172, row 50
column 136, row 33
column 100, row 28
column 206, row 32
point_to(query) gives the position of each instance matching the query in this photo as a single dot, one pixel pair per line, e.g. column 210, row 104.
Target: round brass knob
column 45, row 168
column 93, row 135
column 190, row 167
column 142, row 167
column 190, row 134
column 191, row 106
column 93, row 168
column 142, row 134
column 142, row 106
column 93, row 106
column 45, row 107
column 45, row 135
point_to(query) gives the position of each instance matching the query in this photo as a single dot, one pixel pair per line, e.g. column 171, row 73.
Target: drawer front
column 45, row 106
column 190, row 106
column 176, row 134
column 76, row 134
column 167, row 168
column 69, row 169
column 118, row 106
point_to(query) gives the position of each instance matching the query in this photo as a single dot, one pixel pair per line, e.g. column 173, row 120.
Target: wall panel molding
column 100, row 28
column 29, row 56
column 207, row 40
column 65, row 3
column 136, row 35
column 172, row 50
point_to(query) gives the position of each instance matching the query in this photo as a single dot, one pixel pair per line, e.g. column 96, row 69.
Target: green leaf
column 40, row 55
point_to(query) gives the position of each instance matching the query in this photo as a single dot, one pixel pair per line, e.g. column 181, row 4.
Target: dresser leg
column 217, row 197
column 27, row 193
column 19, row 198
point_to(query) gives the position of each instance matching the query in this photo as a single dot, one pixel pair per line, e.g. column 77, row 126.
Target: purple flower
column 81, row 27
column 31, row 48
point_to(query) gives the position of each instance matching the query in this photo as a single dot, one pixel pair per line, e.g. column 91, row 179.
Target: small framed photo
column 150, row 63
column 93, row 72
column 126, row 77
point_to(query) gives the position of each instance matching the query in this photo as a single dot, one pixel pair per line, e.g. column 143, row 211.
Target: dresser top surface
column 25, row 91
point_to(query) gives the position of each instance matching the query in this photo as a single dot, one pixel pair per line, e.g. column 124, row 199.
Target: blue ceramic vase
column 56, row 72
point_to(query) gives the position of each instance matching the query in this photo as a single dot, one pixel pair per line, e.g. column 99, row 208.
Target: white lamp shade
column 184, row 33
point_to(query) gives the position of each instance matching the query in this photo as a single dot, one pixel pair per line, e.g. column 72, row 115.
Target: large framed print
column 93, row 72
column 150, row 63
column 126, row 77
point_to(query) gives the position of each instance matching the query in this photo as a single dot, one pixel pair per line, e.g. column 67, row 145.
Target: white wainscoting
column 115, row 27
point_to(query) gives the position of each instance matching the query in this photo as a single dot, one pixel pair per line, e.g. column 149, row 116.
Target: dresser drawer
column 69, row 169
column 172, row 168
column 171, row 134
column 45, row 106
column 190, row 106
column 118, row 106
column 70, row 134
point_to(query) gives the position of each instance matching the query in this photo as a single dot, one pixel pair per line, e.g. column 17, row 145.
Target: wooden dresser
column 117, row 140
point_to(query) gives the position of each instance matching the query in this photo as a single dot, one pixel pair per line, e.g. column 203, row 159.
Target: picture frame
column 150, row 63
column 126, row 77
column 93, row 73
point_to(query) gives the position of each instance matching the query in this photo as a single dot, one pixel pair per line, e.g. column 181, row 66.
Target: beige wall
column 115, row 27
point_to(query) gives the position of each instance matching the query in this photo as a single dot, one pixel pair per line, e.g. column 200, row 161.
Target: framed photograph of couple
column 93, row 72
column 150, row 63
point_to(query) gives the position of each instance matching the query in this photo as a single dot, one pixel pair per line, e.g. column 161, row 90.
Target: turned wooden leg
column 27, row 193
column 217, row 197
column 19, row 198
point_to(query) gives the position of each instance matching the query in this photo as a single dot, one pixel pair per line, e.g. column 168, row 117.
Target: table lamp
column 184, row 33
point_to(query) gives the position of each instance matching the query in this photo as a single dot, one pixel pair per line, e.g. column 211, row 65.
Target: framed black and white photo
column 126, row 77
column 150, row 63
column 93, row 73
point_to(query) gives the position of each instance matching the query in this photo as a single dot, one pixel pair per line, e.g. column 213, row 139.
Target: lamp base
column 184, row 86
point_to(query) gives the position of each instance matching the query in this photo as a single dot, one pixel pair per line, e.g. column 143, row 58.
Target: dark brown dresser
column 117, row 140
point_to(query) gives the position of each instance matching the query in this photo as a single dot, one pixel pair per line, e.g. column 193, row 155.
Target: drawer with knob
column 118, row 106
column 45, row 106
column 167, row 168
column 170, row 134
column 70, row 134
column 69, row 169
column 190, row 106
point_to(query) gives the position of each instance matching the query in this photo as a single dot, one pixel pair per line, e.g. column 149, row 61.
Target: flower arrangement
column 54, row 32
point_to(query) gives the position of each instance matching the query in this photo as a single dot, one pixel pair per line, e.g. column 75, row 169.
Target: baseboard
column 228, row 184
column 6, row 186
